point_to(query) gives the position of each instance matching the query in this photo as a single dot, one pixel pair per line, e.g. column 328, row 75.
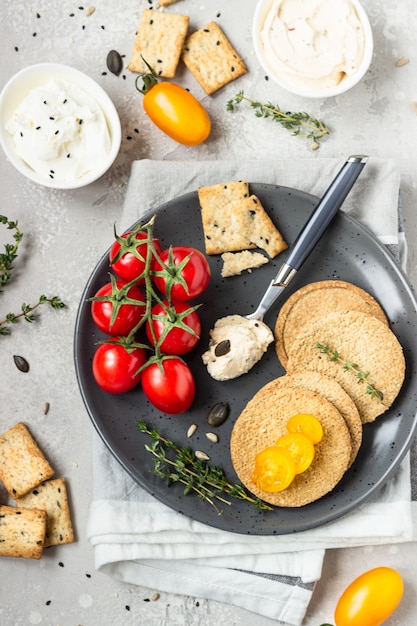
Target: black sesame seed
column 232, row 69
column 127, row 607
column 56, row 132
column 71, row 14
column 37, row 15
column 38, row 128
column 88, row 575
column 128, row 137
column 48, row 602
column 103, row 27
column 61, row 564
column 16, row 49
column 35, row 492
column 217, row 43
column 33, row 34
column 150, row 21
column 51, row 117
column 64, row 101
column 68, row 155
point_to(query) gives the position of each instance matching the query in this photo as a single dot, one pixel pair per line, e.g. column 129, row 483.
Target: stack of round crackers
column 344, row 365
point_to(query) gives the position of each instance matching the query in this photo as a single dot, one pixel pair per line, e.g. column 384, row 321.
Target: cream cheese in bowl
column 313, row 48
column 58, row 126
column 60, row 131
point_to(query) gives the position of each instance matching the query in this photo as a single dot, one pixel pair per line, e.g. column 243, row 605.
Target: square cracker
column 234, row 220
column 22, row 532
column 159, row 41
column 51, row 496
column 217, row 204
column 22, row 464
column 211, row 58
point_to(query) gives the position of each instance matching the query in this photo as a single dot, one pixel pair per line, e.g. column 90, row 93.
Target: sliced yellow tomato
column 274, row 469
column 370, row 599
column 307, row 424
column 300, row 447
column 174, row 110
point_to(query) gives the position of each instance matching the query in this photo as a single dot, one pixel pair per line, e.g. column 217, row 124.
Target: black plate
column 347, row 251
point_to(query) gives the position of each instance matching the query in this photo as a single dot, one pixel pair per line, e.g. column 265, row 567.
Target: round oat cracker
column 264, row 419
column 330, row 389
column 358, row 340
column 315, row 300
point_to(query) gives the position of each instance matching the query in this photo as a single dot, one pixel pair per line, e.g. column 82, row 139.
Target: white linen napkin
column 140, row 540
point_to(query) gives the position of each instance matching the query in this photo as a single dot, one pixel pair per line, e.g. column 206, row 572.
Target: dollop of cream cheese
column 248, row 341
column 313, row 44
column 60, row 131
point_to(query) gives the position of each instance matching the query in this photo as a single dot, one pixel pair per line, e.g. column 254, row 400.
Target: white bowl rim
column 346, row 84
column 51, row 70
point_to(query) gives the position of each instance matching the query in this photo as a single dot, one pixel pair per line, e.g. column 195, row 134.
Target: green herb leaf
column 301, row 124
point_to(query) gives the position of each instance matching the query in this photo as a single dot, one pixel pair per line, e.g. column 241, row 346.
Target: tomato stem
column 149, row 79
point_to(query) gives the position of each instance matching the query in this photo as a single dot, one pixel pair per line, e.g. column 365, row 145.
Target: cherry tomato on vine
column 169, row 385
column 128, row 255
column 370, row 599
column 184, row 275
column 176, row 326
column 115, row 367
column 174, row 110
column 118, row 307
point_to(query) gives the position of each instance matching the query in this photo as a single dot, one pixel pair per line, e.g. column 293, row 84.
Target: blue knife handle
column 325, row 211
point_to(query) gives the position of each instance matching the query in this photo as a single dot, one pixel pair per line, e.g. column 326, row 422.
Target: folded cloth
column 140, row 540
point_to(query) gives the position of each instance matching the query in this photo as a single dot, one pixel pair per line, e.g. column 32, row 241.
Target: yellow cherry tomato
column 174, row 110
column 274, row 469
column 370, row 599
column 300, row 447
column 307, row 424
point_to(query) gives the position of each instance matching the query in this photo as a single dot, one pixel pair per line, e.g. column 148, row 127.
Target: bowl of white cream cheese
column 313, row 48
column 58, row 126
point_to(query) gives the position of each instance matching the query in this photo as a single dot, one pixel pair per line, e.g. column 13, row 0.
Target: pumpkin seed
column 218, row 413
column 191, row 430
column 202, row 456
column 222, row 348
column 114, row 62
column 21, row 363
column 402, row 61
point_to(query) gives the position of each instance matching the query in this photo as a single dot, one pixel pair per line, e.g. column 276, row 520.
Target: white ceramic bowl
column 345, row 84
column 18, row 87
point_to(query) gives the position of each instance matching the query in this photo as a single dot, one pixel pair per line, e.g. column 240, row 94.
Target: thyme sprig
column 361, row 376
column 301, row 124
column 26, row 312
column 7, row 259
column 10, row 250
column 208, row 482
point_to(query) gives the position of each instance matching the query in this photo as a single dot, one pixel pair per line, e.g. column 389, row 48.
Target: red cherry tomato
column 169, row 386
column 370, row 599
column 184, row 275
column 115, row 367
column 128, row 255
column 126, row 306
column 178, row 325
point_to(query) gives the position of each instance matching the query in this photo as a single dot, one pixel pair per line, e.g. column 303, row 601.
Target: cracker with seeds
column 22, row 532
column 377, row 364
column 22, row 464
column 234, row 220
column 211, row 58
column 159, row 41
column 51, row 496
column 264, row 420
column 234, row 263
